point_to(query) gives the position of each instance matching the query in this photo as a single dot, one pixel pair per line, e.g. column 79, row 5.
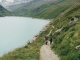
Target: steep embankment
column 47, row 10
column 66, row 39
column 4, row 12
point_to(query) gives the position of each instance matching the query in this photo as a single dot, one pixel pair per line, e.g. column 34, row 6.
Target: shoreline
column 28, row 17
column 36, row 36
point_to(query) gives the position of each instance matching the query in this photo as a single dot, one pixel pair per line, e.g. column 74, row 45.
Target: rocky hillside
column 4, row 12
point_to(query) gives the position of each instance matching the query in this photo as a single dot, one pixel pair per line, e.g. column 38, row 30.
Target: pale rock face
column 77, row 47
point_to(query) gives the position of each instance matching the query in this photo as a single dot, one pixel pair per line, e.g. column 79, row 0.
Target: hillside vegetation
column 47, row 10
column 68, row 39
column 4, row 12
column 65, row 40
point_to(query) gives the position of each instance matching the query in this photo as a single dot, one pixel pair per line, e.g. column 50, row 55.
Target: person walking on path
column 47, row 36
column 50, row 40
column 51, row 35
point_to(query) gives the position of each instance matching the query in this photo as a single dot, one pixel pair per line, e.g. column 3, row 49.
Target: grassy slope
column 64, row 43
column 47, row 11
column 4, row 12
column 51, row 10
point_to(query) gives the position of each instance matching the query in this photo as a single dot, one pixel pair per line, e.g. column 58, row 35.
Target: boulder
column 77, row 47
column 57, row 32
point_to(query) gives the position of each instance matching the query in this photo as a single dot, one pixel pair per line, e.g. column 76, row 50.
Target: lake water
column 16, row 31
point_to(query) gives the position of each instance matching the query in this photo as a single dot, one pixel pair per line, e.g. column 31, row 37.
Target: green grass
column 47, row 10
column 65, row 43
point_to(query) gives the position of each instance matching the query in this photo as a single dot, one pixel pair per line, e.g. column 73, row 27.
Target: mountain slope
column 25, row 5
column 66, row 42
column 47, row 10
column 4, row 12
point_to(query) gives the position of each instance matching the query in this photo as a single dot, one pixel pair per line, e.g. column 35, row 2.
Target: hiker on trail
column 46, row 38
column 50, row 40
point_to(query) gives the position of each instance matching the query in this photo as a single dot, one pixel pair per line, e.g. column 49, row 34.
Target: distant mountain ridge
column 14, row 2
column 47, row 9
column 4, row 12
column 30, row 2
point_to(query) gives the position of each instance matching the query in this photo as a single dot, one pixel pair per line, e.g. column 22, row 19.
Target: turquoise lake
column 17, row 31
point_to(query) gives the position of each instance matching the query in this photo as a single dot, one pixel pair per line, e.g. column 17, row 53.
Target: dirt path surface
column 47, row 54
